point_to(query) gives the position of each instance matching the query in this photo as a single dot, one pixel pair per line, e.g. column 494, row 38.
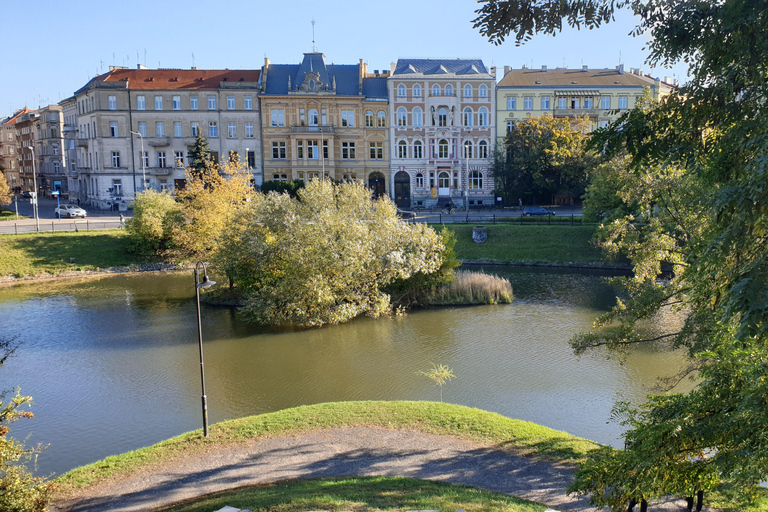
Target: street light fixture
column 206, row 283
column 34, row 198
column 143, row 165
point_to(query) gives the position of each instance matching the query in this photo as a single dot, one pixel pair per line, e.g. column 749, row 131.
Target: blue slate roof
column 440, row 66
column 346, row 76
column 375, row 88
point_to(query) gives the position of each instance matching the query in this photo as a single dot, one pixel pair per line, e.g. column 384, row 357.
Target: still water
column 113, row 365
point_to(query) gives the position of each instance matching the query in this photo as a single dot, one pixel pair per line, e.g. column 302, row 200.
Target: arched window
column 449, row 90
column 368, row 119
column 475, row 180
column 401, row 91
column 482, row 117
column 416, row 91
column 381, row 119
column 435, row 90
column 402, row 149
column 467, row 91
column 482, row 149
column 442, row 149
column 467, row 117
column 418, row 149
column 313, row 117
column 442, row 117
column 402, row 117
column 483, row 91
column 417, row 117
column 467, row 149
column 419, row 180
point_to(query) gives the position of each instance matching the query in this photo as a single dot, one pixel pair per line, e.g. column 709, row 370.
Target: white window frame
column 194, row 104
column 213, row 129
column 211, row 102
column 467, row 90
column 418, row 149
column 248, row 103
column 605, row 103
column 545, row 103
column 177, row 129
column 231, row 130
column 159, row 129
column 417, row 117
column 141, row 103
column 511, row 103
column 623, row 102
column 527, row 102
column 158, row 103
column 194, row 128
column 112, row 101
column 176, row 102
column 402, row 117
column 230, row 103
column 416, row 91
column 482, row 149
column 401, row 91
column 113, row 130
column 402, row 149
column 161, row 159
column 248, row 130
column 482, row 117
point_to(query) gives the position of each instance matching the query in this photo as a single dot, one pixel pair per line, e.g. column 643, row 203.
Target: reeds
column 474, row 288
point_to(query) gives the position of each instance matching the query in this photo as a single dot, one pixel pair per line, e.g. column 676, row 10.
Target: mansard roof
column 375, row 88
column 168, row 79
column 341, row 79
column 440, row 66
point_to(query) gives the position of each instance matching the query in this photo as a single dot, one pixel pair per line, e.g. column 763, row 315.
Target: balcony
column 312, row 129
column 160, row 171
column 81, row 143
column 158, row 141
column 576, row 112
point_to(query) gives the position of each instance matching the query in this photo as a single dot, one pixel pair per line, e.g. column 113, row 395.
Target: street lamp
column 34, row 181
column 143, row 166
column 206, row 283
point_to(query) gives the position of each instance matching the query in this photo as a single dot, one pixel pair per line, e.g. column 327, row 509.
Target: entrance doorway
column 377, row 184
column 443, row 184
column 403, row 189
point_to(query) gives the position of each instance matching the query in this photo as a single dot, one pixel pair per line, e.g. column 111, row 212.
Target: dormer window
column 311, row 85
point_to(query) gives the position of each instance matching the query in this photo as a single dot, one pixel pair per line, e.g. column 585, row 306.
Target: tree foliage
column 154, row 216
column 5, row 191
column 698, row 177
column 202, row 167
column 291, row 187
column 440, row 374
column 323, row 258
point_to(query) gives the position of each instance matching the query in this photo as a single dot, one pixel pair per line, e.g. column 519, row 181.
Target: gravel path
column 339, row 452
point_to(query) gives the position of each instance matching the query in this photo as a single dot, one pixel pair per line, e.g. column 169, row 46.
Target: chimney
column 392, row 66
column 266, row 62
column 493, row 71
column 506, row 70
column 620, row 69
column 360, row 74
column 585, row 68
column 667, row 80
column 141, row 66
column 543, row 68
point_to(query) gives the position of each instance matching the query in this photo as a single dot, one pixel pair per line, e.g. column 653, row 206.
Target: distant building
column 442, row 132
column 325, row 120
column 49, row 151
column 599, row 94
column 10, row 157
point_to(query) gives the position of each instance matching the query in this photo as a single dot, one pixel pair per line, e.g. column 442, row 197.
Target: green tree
column 439, row 374
column 5, row 191
column 202, row 166
column 291, row 187
column 698, row 160
column 155, row 214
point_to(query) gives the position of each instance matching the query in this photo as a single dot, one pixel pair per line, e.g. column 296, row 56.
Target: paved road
column 339, row 452
column 48, row 221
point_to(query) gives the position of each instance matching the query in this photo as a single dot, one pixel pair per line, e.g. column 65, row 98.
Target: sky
column 57, row 46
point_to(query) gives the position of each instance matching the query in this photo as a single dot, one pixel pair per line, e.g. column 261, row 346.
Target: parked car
column 26, row 194
column 69, row 210
column 536, row 210
column 403, row 214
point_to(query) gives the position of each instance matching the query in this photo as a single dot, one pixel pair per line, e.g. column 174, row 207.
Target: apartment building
column 49, row 151
column 135, row 127
column 9, row 151
column 443, row 132
column 325, row 120
column 69, row 150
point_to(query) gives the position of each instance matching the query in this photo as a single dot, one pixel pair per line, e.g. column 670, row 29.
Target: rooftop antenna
column 314, row 48
column 113, row 59
column 137, row 59
column 193, row 59
column 145, row 57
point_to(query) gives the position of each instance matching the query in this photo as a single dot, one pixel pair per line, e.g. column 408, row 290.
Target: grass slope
column 516, row 436
column 360, row 493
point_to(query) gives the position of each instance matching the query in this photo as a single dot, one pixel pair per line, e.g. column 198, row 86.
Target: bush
column 151, row 228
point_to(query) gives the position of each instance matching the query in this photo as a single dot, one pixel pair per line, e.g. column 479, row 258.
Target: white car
column 69, row 210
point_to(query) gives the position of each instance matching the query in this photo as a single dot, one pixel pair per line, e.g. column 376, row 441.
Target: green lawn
column 33, row 254
column 6, row 214
column 360, row 493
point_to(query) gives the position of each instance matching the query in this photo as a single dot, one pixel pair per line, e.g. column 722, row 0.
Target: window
column 158, row 103
column 467, row 91
column 313, row 117
column 300, row 149
column 401, row 91
column 159, row 129
column 301, row 117
column 475, row 180
column 211, row 102
column 163, row 185
column 449, row 90
column 250, row 158
column 467, row 149
column 230, row 103
column 377, row 150
column 482, row 149
column 511, row 103
column 510, row 125
column 483, row 91
column 145, row 160
column 442, row 117
column 528, row 103
column 176, row 102
column 482, row 117
column 117, row 188
column 419, row 180
column 193, row 103
column 381, row 119
column 418, row 149
column 604, row 124
column 467, row 117
column 416, row 91
column 442, row 149
column 178, row 158
column 368, row 119
column 605, row 102
column 213, row 129
column 277, row 118
column 402, row 117
column 115, row 159
column 562, row 103
column 113, row 129
column 142, row 128
column 112, row 103
column 417, row 117
column 141, row 103
column 161, row 158
column 279, row 177
column 588, row 103
column 545, row 103
column 575, row 104
column 177, row 129
column 312, row 150
column 348, row 150
column 436, row 90
column 347, row 118
column 325, row 149
column 249, row 130
column 195, row 127
column 248, row 103
column 402, row 149
column 232, row 130
column 278, row 151
column 622, row 103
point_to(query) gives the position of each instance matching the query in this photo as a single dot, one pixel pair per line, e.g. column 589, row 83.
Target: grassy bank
column 6, row 214
column 516, row 436
column 356, row 493
column 35, row 254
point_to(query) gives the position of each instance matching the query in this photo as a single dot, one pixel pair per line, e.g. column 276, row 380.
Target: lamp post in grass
column 205, row 283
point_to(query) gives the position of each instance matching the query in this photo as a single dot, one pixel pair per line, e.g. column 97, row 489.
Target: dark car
column 536, row 210
column 404, row 214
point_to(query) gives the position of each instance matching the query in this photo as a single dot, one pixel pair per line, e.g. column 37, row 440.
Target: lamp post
column 34, row 196
column 206, row 283
column 143, row 165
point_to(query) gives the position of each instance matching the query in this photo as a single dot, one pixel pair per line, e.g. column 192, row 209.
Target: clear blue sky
column 54, row 47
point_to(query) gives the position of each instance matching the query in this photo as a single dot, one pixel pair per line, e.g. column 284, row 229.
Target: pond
column 113, row 364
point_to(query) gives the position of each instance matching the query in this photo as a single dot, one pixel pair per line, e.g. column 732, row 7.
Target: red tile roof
column 15, row 117
column 159, row 79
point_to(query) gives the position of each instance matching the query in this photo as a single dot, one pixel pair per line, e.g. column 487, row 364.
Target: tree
column 698, row 160
column 323, row 258
column 543, row 156
column 202, row 166
column 5, row 191
column 439, row 374
column 155, row 214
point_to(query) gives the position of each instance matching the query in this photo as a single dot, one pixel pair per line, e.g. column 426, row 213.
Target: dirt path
column 339, row 452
